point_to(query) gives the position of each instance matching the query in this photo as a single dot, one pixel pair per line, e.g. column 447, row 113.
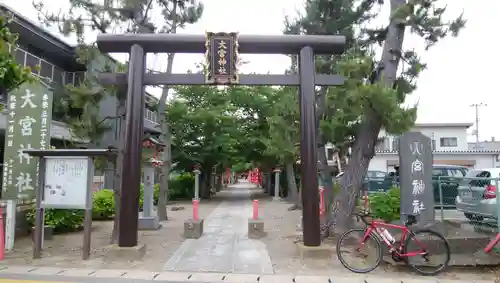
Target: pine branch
column 109, row 118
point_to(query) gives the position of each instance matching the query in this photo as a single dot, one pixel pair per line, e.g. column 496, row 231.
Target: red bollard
column 2, row 236
column 321, row 201
column 255, row 209
column 195, row 209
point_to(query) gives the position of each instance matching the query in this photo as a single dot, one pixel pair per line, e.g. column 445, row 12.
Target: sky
column 460, row 70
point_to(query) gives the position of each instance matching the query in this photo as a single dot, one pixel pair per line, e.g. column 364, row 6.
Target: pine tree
column 12, row 75
column 108, row 16
column 330, row 17
column 377, row 88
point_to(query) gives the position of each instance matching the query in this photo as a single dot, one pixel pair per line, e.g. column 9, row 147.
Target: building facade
column 450, row 147
column 55, row 62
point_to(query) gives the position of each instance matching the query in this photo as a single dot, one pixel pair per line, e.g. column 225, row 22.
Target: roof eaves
column 38, row 29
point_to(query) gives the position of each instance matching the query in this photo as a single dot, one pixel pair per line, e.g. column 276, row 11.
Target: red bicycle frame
column 372, row 227
column 492, row 244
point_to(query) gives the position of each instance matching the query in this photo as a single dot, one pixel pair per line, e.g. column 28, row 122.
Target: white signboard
column 66, row 182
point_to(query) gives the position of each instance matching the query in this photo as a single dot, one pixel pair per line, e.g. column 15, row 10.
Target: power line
column 477, row 107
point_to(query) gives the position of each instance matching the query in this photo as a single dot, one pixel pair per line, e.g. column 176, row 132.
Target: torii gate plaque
column 137, row 45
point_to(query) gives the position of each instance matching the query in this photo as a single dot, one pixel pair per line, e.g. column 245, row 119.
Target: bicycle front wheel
column 356, row 256
column 434, row 245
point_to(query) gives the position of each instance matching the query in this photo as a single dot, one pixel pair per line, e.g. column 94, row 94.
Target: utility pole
column 477, row 106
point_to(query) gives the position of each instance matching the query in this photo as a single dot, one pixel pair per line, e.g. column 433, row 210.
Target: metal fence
column 465, row 204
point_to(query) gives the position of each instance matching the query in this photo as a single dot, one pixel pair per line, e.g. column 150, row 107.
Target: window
column 383, row 144
column 329, row 153
column 69, row 76
column 46, row 70
column 32, row 62
column 455, row 172
column 376, row 174
column 448, row 142
column 395, row 144
column 476, row 174
column 117, row 127
column 433, row 144
column 58, row 76
column 20, row 54
column 438, row 172
column 79, row 78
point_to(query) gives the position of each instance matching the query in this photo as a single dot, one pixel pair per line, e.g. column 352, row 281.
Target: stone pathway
column 224, row 246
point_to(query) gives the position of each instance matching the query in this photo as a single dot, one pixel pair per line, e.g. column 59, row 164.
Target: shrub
column 103, row 204
column 156, row 194
column 141, row 197
column 181, row 187
column 61, row 220
column 386, row 205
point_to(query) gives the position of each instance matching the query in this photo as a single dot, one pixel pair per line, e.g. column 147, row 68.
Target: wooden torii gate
column 222, row 50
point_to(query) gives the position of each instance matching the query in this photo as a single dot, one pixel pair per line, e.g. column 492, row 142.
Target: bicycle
column 375, row 231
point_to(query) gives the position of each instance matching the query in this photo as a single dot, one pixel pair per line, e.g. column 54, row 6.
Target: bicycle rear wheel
column 434, row 244
column 372, row 250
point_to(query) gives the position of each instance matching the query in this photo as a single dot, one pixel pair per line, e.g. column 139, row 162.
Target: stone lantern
column 148, row 221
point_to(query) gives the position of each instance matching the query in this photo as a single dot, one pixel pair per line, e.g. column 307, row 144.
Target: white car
column 477, row 194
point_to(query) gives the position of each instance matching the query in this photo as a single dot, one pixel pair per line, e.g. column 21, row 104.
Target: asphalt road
column 32, row 278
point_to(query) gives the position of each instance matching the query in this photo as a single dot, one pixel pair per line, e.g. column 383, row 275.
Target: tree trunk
column 338, row 161
column 363, row 152
column 117, row 186
column 269, row 183
column 164, row 171
column 366, row 139
column 165, row 132
column 204, row 184
column 206, row 181
column 213, row 181
column 293, row 193
column 325, row 172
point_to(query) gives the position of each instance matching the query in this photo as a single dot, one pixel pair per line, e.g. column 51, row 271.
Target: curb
column 212, row 277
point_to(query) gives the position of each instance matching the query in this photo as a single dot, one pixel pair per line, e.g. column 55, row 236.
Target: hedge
column 103, row 205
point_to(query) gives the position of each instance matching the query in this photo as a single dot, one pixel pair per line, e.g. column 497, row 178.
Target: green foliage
column 181, row 187
column 79, row 106
column 203, row 126
column 341, row 107
column 241, row 167
column 12, row 75
column 283, row 121
column 386, row 205
column 69, row 220
column 103, row 204
column 352, row 115
column 61, row 220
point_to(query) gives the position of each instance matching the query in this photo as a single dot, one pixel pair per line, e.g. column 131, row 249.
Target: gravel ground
column 65, row 250
column 283, row 232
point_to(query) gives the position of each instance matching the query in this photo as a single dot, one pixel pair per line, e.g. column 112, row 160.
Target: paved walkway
column 224, row 246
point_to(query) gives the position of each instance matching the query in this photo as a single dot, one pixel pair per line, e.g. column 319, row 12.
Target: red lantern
column 153, row 143
column 196, row 168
